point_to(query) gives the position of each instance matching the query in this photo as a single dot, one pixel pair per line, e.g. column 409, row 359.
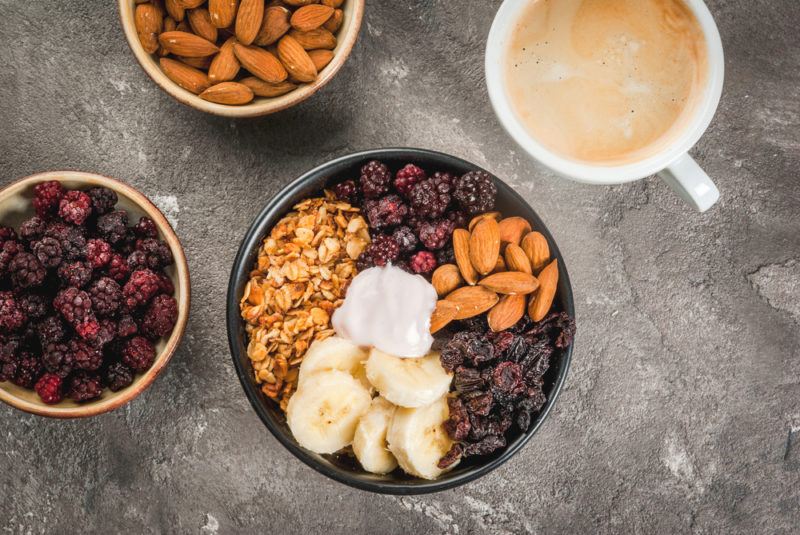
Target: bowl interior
column 353, row 11
column 15, row 207
column 342, row 468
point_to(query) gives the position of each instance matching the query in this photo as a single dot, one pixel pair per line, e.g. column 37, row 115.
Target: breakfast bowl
column 16, row 206
column 341, row 467
column 327, row 50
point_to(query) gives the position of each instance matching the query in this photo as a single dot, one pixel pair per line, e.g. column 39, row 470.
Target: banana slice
column 325, row 410
column 335, row 353
column 408, row 382
column 369, row 442
column 418, row 440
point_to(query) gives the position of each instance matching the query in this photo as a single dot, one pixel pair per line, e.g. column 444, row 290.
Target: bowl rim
column 253, row 109
column 116, row 400
column 241, row 268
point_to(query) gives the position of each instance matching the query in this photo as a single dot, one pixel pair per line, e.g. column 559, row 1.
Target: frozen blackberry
column 475, row 192
column 103, row 199
column 118, row 268
column 106, row 296
column 408, row 177
column 57, row 359
column 50, row 331
column 126, row 326
column 383, row 250
column 446, row 255
column 364, row 261
column 405, row 238
column 375, row 180
column 160, row 318
column 346, row 191
column 458, row 218
column 7, row 233
column 430, row 198
column 34, row 306
column 8, row 250
column 71, row 239
column 85, row 356
column 12, row 316
column 75, row 207
column 32, row 229
column 113, row 226
column 26, row 271
column 423, row 262
column 385, row 212
column 85, row 386
column 145, row 228
column 137, row 260
column 98, row 253
column 48, row 252
column 46, row 197
column 118, row 376
column 157, row 254
column 138, row 353
column 49, row 388
column 140, row 288
column 77, row 274
column 29, row 368
column 165, row 284
column 75, row 306
column 435, row 234
column 9, row 348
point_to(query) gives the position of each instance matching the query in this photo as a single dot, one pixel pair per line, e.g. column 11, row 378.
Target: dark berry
column 346, row 191
column 29, row 368
column 49, row 388
column 423, row 262
column 457, row 424
column 140, row 288
column 76, row 274
column 46, row 197
column 12, row 316
column 106, row 334
column 466, row 346
column 26, row 271
column 386, row 211
column 160, row 318
column 165, row 284
column 118, row 376
column 103, row 199
column 57, row 359
column 486, row 445
column 405, row 238
column 458, row 218
column 75, row 207
column 98, row 253
column 446, row 255
column 375, row 180
column 50, row 331
column 71, row 239
column 32, row 229
column 75, row 307
column 34, row 306
column 364, row 261
column 145, row 228
column 157, row 254
column 383, row 250
column 475, row 192
column 118, row 268
column 436, row 234
column 8, row 250
column 408, row 177
column 455, row 452
column 465, row 380
column 7, row 233
column 430, row 198
column 106, row 296
column 85, row 386
column 126, row 326
column 85, row 356
column 138, row 353
column 113, row 226
column 48, row 252
column 507, row 381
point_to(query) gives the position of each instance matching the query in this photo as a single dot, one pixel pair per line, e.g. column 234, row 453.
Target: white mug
column 673, row 164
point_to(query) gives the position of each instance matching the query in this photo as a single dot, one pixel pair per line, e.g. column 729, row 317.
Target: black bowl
column 341, row 468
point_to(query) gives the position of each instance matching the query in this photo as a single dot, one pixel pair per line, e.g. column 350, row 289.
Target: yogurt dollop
column 389, row 309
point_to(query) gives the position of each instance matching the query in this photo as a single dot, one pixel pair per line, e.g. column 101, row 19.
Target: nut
column 446, row 278
column 319, row 38
column 335, row 22
column 187, row 77
column 512, row 229
column 261, row 63
column 149, row 21
column 275, row 25
column 265, row 89
column 296, row 60
column 511, row 282
column 200, row 22
column 187, row 44
column 321, row 58
column 472, row 301
column 228, row 93
column 537, row 250
column 543, row 299
column 311, row 17
column 478, row 218
column 444, row 313
column 506, row 313
column 224, row 67
column 461, row 250
column 222, row 12
column 516, row 259
column 484, row 245
column 248, row 20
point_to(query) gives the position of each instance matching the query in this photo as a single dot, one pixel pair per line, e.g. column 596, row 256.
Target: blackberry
column 103, row 199
column 165, row 284
column 383, row 250
column 85, row 356
column 113, row 226
column 9, row 347
column 446, row 255
column 405, row 238
column 138, row 353
column 32, row 229
column 12, row 316
column 46, row 197
column 375, row 180
column 76, row 274
column 48, row 252
column 408, row 177
column 137, row 260
column 75, row 207
column 49, row 388
column 85, row 386
column 98, row 253
column 7, row 233
column 29, row 368
column 34, row 306
column 106, row 296
column 386, row 212
column 118, row 268
column 430, row 198
column 435, row 234
column 126, row 326
column 26, row 271
column 145, row 228
column 57, row 359
column 76, row 307
column 140, row 288
column 458, row 218
column 160, row 318
column 71, row 239
column 118, row 376
column 475, row 192
column 50, row 331
column 364, row 261
column 157, row 253
column 423, row 262
column 8, row 250
column 346, row 191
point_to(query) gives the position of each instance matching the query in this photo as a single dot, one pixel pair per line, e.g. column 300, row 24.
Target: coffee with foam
column 606, row 82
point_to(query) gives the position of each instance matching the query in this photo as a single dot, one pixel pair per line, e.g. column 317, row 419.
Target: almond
column 175, row 9
column 169, row 26
column 516, row 259
column 223, row 12
column 461, row 251
column 472, row 300
column 543, row 299
column 512, row 229
column 187, row 44
column 224, row 67
column 232, row 93
column 191, row 4
column 536, row 248
column 510, row 282
column 183, row 26
column 500, row 265
column 296, row 60
column 446, row 278
column 311, row 17
column 444, row 313
column 248, row 20
column 187, row 77
column 506, row 313
column 335, row 22
column 198, row 63
column 265, row 89
column 333, row 3
column 297, row 3
column 321, row 58
column 149, row 21
column 200, row 21
column 478, row 218
column 260, row 63
column 275, row 25
column 319, row 38
column 484, row 245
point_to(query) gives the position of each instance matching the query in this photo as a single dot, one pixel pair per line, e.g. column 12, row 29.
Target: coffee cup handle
column 688, row 180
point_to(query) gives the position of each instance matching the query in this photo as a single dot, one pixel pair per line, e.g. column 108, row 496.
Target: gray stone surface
column 684, row 393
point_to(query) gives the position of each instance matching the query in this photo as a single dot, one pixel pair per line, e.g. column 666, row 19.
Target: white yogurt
column 389, row 309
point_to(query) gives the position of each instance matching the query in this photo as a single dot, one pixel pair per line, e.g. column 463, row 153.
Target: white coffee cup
column 673, row 164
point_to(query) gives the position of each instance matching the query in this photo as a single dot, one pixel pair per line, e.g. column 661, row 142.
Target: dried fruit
column 543, row 299
column 484, row 246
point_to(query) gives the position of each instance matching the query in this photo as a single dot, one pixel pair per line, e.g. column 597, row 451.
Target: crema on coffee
column 606, row 81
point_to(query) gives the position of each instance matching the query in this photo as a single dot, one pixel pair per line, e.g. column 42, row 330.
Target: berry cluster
column 83, row 296
column 413, row 214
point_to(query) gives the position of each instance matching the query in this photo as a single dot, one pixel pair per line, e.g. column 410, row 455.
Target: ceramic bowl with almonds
column 241, row 58
column 503, row 325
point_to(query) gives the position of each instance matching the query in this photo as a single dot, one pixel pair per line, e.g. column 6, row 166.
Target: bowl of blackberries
column 94, row 294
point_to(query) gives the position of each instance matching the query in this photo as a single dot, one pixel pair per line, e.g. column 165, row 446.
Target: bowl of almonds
column 241, row 58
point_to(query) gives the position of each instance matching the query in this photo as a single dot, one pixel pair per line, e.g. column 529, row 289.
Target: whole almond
column 175, row 9
column 516, row 259
column 319, row 38
column 311, row 17
column 223, row 12
column 510, row 282
column 224, row 67
column 445, row 279
column 169, row 24
column 484, row 245
column 231, row 93
column 265, row 89
column 537, row 250
column 149, row 21
column 275, row 25
column 506, row 313
column 542, row 300
column 444, row 313
column 248, row 20
column 461, row 251
column 472, row 300
column 187, row 77
column 260, row 63
column 297, row 3
column 333, row 3
column 335, row 22
column 478, row 218
column 296, row 60
column 512, row 229
column 321, row 58
column 191, row 4
column 198, row 63
column 183, row 26
column 200, row 21
column 187, row 44
column 500, row 265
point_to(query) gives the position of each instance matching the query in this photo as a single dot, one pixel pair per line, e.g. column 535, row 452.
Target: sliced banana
column 335, row 353
column 325, row 410
column 418, row 440
column 408, row 382
column 369, row 442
